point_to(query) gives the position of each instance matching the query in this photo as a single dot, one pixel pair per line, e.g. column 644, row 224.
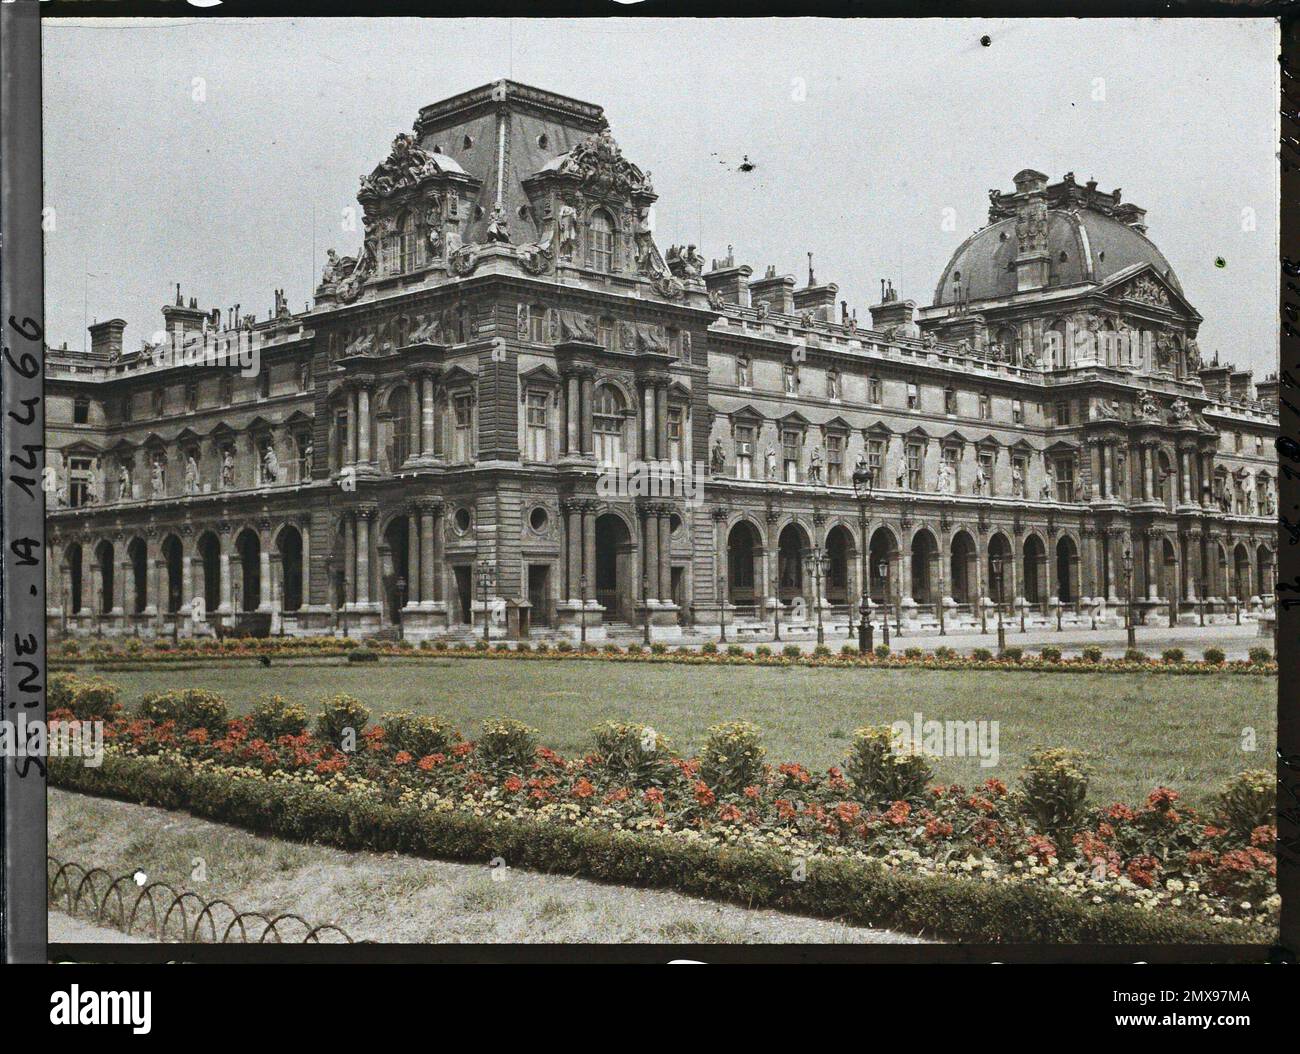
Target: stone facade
column 450, row 429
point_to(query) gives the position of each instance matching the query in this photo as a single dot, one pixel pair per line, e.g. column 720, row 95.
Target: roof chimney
column 730, row 281
column 106, row 338
column 775, row 290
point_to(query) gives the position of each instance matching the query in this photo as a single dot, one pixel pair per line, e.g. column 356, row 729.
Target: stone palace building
column 468, row 416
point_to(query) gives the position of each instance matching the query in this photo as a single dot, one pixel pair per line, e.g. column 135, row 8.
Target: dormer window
column 600, row 242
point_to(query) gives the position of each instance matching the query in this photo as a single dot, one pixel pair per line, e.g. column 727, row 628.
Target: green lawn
column 1142, row 729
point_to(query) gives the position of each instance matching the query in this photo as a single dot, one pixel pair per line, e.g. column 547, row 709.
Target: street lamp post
column 722, row 608
column 582, row 609
column 995, row 565
column 486, row 580
column 1200, row 601
column 898, row 599
column 862, row 481
column 401, row 603
column 1128, row 615
column 816, row 560
column 645, row 601
column 882, row 569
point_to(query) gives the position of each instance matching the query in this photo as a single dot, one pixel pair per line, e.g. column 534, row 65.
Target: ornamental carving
column 1146, row 290
column 600, row 166
column 406, row 166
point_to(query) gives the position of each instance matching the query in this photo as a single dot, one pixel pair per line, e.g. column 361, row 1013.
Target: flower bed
column 1049, row 659
column 983, row 863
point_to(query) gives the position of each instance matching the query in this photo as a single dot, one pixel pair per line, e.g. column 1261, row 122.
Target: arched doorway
column 395, row 570
column 744, row 556
column 1067, row 562
column 882, row 557
column 964, row 573
column 1263, row 571
column 172, row 554
column 925, row 554
column 75, row 586
column 791, row 546
column 210, row 557
column 615, row 590
column 840, row 551
column 248, row 547
column 104, row 560
column 1001, row 573
column 289, row 544
column 1241, row 572
column 138, row 554
column 1035, row 565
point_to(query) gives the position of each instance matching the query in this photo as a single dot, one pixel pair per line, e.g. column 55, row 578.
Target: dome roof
column 1083, row 247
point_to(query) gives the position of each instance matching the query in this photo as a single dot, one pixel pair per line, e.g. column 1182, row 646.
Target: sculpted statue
column 645, row 244
column 1029, row 358
column 1180, row 410
column 1049, row 483
column 770, row 459
column 761, row 309
column 228, row 468
column 158, row 477
column 947, row 477
column 270, row 465
column 123, row 483
column 566, row 229
column 684, row 262
column 1017, row 482
column 331, row 267
column 574, row 325
column 1193, row 355
column 1106, row 409
column 498, row 229
column 791, row 379
column 1147, row 405
column 815, row 465
column 981, row 478
column 900, row 477
column 718, row 459
column 715, row 300
column 833, row 384
column 191, row 475
column 1270, row 502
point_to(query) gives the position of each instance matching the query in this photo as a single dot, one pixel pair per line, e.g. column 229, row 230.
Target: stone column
column 225, row 606
column 187, row 584
column 661, row 421
column 1152, row 566
column 363, row 425
column 772, row 563
column 426, row 415
column 264, row 567
column 574, row 540
column 124, row 587
column 589, row 545
column 1148, row 472
column 650, row 531
column 1114, row 550
column 647, row 423
column 665, row 555
column 426, row 510
column 364, row 515
column 588, row 393
column 572, row 416
column 1107, row 469
column 304, row 532
column 414, row 575
column 350, row 562
column 96, row 604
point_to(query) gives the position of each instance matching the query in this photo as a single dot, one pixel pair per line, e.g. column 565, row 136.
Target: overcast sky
column 217, row 152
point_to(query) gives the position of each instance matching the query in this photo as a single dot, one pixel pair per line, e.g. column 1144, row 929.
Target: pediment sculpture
column 599, row 163
column 406, row 165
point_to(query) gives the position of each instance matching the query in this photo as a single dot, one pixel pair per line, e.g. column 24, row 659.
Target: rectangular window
column 127, row 408
column 744, row 452
column 742, row 371
column 605, row 333
column 1259, row 444
column 1236, row 442
column 1063, row 412
column 463, row 447
column 913, row 397
column 1017, row 412
column 790, row 376
column 675, row 415
column 80, row 472
column 986, row 410
column 342, row 449
column 915, row 465
column 80, row 410
column 537, row 325
column 536, row 414
column 874, row 391
column 790, row 443
column 1064, row 470
column 835, row 460
column 876, row 460
column 949, row 401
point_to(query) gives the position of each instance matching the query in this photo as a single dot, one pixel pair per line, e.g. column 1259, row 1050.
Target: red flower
column 1120, row 813
column 898, row 813
column 784, row 809
column 996, row 787
column 703, row 795
column 729, row 814
column 751, row 792
column 654, row 795
column 583, row 788
column 514, row 784
column 1162, row 798
column 1264, row 837
column 937, row 828
column 1041, row 848
column 429, row 761
column 1143, row 869
column 848, row 812
column 402, row 757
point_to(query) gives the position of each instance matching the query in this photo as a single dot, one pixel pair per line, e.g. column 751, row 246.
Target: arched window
column 600, row 242
column 607, row 424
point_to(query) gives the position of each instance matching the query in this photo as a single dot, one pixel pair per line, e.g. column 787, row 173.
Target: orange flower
column 402, row 757
column 583, row 788
column 703, row 795
column 654, row 795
